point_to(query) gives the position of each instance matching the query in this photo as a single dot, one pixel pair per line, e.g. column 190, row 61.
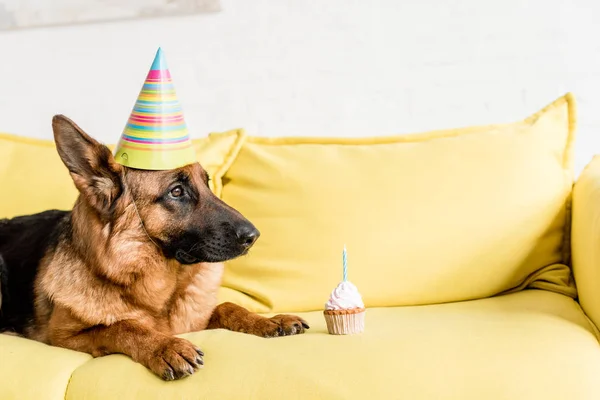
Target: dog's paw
column 283, row 325
column 175, row 358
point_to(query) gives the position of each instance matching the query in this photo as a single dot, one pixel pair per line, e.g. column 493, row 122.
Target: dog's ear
column 92, row 166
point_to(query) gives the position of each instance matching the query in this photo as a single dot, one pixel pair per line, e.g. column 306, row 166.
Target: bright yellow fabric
column 34, row 179
column 585, row 243
column 217, row 152
column 427, row 218
column 33, row 371
column 527, row 345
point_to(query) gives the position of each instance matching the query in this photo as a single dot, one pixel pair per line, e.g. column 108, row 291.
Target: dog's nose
column 247, row 235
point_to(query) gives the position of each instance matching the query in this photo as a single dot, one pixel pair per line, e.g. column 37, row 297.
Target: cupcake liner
column 345, row 322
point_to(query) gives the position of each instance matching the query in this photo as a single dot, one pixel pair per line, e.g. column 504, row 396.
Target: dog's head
column 175, row 208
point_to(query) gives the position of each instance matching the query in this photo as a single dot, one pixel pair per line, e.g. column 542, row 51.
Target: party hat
column 156, row 135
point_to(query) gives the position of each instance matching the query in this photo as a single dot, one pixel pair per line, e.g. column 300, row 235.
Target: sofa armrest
column 585, row 239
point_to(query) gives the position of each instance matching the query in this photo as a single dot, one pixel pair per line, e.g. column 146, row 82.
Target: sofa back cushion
column 33, row 177
column 428, row 218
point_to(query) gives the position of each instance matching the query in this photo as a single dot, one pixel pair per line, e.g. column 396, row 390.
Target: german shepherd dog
column 137, row 261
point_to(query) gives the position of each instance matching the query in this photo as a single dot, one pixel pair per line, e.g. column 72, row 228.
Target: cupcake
column 345, row 310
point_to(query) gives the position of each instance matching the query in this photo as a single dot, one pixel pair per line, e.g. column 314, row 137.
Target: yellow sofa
column 477, row 255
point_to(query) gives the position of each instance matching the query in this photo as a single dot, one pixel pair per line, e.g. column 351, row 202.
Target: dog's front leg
column 167, row 356
column 235, row 318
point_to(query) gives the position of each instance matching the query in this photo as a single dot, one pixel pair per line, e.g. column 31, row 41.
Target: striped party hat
column 156, row 135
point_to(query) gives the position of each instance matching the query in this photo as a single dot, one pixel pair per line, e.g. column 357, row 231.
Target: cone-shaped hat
column 156, row 136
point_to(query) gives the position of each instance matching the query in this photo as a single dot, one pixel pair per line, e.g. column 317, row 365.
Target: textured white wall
column 313, row 67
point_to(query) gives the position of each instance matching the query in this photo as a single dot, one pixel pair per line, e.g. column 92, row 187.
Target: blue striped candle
column 345, row 263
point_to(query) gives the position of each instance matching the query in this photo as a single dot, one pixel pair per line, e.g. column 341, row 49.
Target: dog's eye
column 176, row 192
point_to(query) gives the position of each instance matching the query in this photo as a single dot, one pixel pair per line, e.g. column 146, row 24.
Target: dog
column 137, row 260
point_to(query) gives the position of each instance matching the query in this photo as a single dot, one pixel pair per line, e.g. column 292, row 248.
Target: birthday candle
column 345, row 263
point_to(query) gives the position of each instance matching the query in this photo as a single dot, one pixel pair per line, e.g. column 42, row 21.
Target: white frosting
column 344, row 297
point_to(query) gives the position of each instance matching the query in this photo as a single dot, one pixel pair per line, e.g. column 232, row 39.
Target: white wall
column 314, row 67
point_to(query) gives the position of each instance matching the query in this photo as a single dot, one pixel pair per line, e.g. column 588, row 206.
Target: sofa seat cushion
column 34, row 371
column 527, row 345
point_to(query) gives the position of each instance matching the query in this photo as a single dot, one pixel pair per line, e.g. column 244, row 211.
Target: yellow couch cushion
column 585, row 243
column 34, row 179
column 528, row 345
column 34, row 371
column 427, row 218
